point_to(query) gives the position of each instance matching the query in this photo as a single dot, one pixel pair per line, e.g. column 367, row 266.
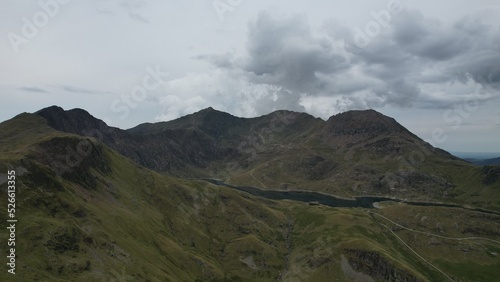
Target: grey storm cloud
column 483, row 66
column 411, row 52
column 286, row 53
column 464, row 50
column 399, row 93
column 428, row 38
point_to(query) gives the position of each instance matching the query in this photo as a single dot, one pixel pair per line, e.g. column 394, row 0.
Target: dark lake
column 332, row 201
column 306, row 196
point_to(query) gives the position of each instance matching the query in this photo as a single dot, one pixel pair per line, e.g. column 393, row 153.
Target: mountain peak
column 75, row 121
column 368, row 122
column 209, row 109
column 50, row 110
column 209, row 114
column 209, row 120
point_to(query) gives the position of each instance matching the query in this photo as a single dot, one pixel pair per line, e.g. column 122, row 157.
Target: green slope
column 87, row 213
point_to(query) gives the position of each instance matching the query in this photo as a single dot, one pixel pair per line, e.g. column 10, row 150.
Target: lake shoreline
column 317, row 198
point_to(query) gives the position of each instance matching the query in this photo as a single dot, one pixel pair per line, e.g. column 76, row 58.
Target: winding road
column 432, row 234
column 363, row 202
column 428, row 234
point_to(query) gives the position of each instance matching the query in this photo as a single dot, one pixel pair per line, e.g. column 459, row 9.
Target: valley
column 98, row 203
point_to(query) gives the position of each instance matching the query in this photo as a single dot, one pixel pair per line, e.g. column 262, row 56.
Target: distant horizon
column 476, row 155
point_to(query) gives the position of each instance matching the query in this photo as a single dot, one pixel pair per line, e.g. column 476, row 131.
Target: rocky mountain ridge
column 352, row 153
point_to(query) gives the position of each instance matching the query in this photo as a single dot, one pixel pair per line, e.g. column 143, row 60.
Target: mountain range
column 101, row 203
column 493, row 161
column 352, row 153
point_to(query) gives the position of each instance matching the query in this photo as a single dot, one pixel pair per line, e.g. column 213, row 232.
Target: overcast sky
column 432, row 65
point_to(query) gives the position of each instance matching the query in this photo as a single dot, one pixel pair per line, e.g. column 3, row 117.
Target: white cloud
column 218, row 89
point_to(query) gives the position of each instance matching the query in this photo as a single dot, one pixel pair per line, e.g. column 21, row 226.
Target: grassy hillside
column 126, row 218
column 417, row 173
column 87, row 213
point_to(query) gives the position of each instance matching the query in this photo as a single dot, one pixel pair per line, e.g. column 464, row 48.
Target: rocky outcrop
column 377, row 267
column 78, row 121
column 72, row 158
column 175, row 150
column 490, row 174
